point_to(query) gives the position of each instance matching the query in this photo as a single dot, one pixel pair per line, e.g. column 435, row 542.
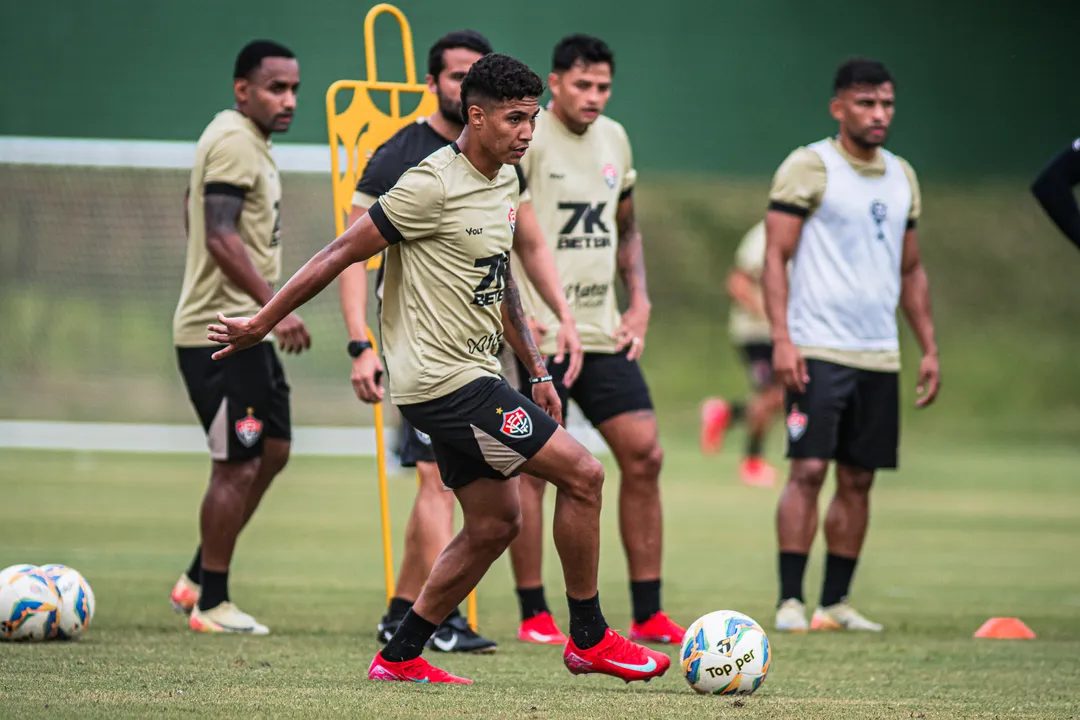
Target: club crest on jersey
column 610, row 175
column 796, row 423
column 511, row 216
column 517, row 423
column 249, row 429
column 879, row 211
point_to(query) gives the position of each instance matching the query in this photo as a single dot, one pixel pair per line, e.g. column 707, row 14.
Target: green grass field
column 960, row 534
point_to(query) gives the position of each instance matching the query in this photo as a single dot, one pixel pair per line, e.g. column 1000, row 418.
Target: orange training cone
column 1005, row 628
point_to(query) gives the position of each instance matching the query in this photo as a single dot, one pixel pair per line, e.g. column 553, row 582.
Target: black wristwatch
column 357, row 347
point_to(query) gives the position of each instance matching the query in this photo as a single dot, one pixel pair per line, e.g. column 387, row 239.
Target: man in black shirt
column 431, row 523
column 1053, row 188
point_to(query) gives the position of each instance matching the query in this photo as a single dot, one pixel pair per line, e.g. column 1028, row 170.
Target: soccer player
column 431, row 523
column 449, row 295
column 581, row 175
column 1053, row 188
column 749, row 328
column 233, row 260
column 844, row 211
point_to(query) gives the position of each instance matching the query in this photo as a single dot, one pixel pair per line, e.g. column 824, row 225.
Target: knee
column 588, row 484
column 276, row 457
column 644, row 464
column 236, row 476
column 809, row 475
column 854, row 484
column 497, row 531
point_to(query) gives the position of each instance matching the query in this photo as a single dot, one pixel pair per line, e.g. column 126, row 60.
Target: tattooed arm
column 630, row 259
column 222, row 206
column 516, row 332
column 222, row 213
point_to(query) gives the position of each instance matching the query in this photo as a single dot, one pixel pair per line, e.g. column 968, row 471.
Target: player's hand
column 568, row 342
column 929, row 380
column 292, row 335
column 547, row 398
column 366, row 375
column 235, row 333
column 631, row 332
column 789, row 366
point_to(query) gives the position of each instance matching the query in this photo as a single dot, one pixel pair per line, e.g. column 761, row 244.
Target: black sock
column 455, row 613
column 398, row 607
column 645, row 598
column 532, row 602
column 738, row 411
column 754, row 445
column 215, row 589
column 792, row 569
column 194, row 571
column 838, row 572
column 587, row 623
column 408, row 642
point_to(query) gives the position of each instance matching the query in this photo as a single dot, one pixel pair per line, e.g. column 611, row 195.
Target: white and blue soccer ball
column 11, row 571
column 29, row 607
column 76, row 600
column 725, row 653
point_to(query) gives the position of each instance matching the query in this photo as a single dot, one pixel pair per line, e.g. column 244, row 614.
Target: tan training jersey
column 745, row 327
column 234, row 154
column 800, row 183
column 450, row 230
column 575, row 183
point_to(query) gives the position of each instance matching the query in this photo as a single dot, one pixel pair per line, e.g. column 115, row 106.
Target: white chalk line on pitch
column 131, row 437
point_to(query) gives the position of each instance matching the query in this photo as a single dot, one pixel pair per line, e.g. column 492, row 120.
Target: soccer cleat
column 616, row 656
column 417, row 670
column 225, row 618
column 542, row 630
column 455, row 635
column 791, row 616
column 842, row 616
column 715, row 418
column 756, row 472
column 386, row 628
column 185, row 594
column 657, row 629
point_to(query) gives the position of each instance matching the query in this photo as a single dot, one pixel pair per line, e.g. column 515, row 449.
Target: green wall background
column 726, row 87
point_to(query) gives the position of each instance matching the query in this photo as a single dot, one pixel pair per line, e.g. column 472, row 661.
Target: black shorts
column 758, row 359
column 609, row 385
column 240, row 399
column 485, row 429
column 413, row 446
column 846, row 414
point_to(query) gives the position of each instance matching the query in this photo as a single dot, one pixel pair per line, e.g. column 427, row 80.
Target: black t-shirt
column 1053, row 188
column 406, row 149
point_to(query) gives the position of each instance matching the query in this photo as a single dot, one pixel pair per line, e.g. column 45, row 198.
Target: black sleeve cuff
column 789, row 209
column 386, row 228
column 223, row 188
column 522, row 185
column 911, row 223
column 626, row 193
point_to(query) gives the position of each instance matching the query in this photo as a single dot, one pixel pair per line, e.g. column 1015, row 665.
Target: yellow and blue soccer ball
column 76, row 600
column 725, row 653
column 11, row 571
column 29, row 607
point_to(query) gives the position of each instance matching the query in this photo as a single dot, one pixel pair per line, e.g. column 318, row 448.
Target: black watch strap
column 356, row 348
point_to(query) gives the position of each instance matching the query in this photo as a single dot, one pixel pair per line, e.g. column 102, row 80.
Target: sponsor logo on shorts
column 517, row 423
column 422, row 437
column 249, row 429
column 796, row 423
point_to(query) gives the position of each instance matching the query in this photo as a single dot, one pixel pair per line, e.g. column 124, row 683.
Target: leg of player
column 634, row 440
column 593, row 647
column 526, row 560
column 796, row 525
column 845, row 529
column 761, row 411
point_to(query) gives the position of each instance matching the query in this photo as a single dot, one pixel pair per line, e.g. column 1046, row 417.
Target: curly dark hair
column 497, row 78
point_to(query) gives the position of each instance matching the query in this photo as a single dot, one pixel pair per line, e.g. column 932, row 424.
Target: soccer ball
column 725, row 653
column 76, row 600
column 29, row 607
column 9, row 572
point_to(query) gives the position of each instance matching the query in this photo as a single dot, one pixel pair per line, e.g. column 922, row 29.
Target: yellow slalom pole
column 384, row 496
